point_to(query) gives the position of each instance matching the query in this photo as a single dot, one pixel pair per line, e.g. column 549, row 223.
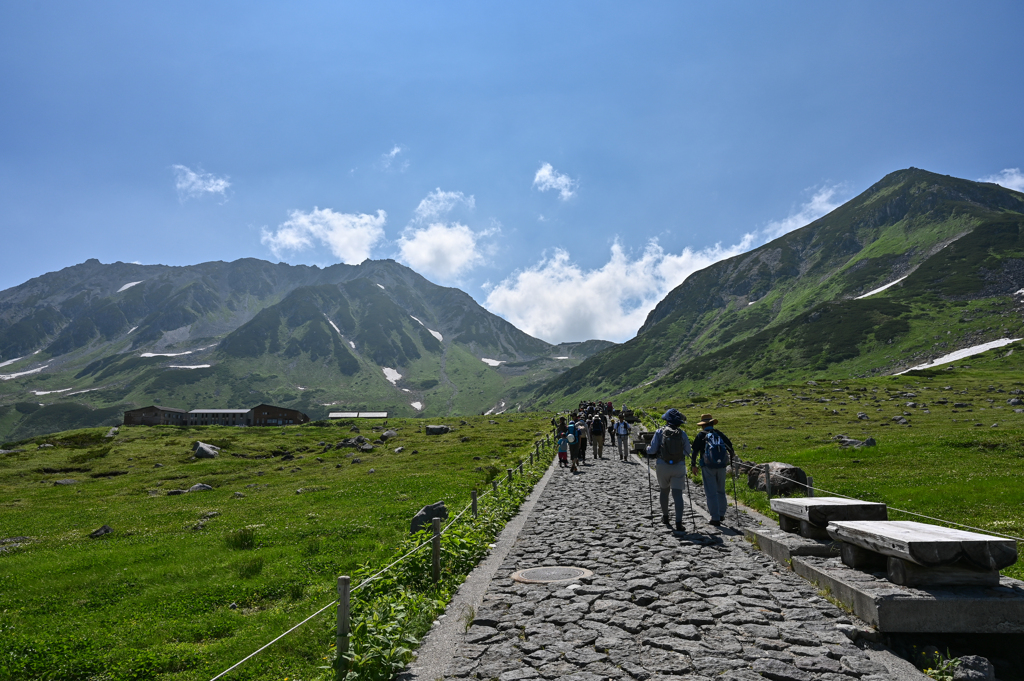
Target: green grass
column 949, row 463
column 188, row 584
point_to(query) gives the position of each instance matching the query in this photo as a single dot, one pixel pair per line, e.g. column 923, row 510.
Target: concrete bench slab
column 810, row 517
column 914, row 553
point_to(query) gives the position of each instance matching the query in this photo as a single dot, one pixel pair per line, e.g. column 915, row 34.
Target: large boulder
column 97, row 533
column 200, row 488
column 388, row 434
column 425, row 516
column 202, row 450
column 438, row 430
column 786, row 478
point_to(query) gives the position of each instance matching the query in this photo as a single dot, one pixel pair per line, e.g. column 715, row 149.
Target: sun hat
column 673, row 417
column 706, row 420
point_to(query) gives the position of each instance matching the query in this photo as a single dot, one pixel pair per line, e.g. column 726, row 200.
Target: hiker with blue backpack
column 715, row 450
column 671, row 446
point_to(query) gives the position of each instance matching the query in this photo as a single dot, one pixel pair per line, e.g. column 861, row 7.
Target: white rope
column 361, row 584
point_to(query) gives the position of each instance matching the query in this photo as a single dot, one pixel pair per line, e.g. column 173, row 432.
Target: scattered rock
column 175, row 492
column 96, row 534
column 388, row 434
column 785, row 478
column 438, row 430
column 201, row 487
column 357, row 460
column 353, row 429
column 319, row 459
column 464, row 438
column 158, row 465
column 239, row 495
column 372, row 470
column 233, row 606
column 366, row 447
column 862, row 416
column 902, row 420
column 210, row 514
column 45, row 446
column 1015, row 401
column 399, row 450
column 960, row 405
column 202, row 450
column 68, row 481
column 912, row 405
column 463, row 423
column 492, row 422
column 426, row 515
column 112, row 432
column 974, row 668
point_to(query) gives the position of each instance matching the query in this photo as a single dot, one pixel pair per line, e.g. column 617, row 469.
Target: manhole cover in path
column 550, row 574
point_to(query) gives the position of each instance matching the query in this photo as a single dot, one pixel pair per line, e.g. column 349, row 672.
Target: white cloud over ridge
column 559, row 301
column 438, row 203
column 1011, row 178
column 193, row 184
column 390, row 160
column 350, row 236
column 549, row 178
column 441, row 250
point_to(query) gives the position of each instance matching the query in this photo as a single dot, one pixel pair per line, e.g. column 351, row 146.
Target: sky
column 567, row 164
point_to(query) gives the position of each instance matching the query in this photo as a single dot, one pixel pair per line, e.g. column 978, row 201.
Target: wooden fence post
column 475, row 514
column 341, row 642
column 768, row 482
column 494, row 486
column 509, row 470
column 436, row 542
column 520, row 469
column 810, row 485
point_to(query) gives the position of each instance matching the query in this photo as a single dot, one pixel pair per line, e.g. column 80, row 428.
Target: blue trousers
column 714, row 490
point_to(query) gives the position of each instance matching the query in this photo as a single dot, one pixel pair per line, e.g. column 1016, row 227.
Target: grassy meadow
column 187, row 584
column 958, row 463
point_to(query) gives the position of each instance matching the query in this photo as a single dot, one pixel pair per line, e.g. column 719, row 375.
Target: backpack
column 597, row 427
column 716, row 454
column 673, row 446
column 570, row 433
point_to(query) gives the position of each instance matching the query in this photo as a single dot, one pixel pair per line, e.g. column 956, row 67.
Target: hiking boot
column 664, row 519
column 679, row 527
column 716, row 523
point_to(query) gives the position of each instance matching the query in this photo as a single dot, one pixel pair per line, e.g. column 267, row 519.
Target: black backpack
column 673, row 446
column 597, row 427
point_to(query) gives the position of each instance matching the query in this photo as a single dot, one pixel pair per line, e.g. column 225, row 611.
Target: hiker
column 563, row 451
column 622, row 438
column 597, row 434
column 574, row 446
column 714, row 449
column 561, row 427
column 584, row 434
column 610, row 428
column 671, row 445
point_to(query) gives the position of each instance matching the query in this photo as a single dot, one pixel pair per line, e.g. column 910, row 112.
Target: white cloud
column 559, row 301
column 1011, row 178
column 390, row 160
column 350, row 236
column 548, row 178
column 193, row 184
column 438, row 203
column 441, row 250
column 825, row 200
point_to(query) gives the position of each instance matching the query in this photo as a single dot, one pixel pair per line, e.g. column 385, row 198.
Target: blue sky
column 566, row 164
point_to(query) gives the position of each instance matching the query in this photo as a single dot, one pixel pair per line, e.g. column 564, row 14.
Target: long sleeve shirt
column 700, row 441
column 655, row 446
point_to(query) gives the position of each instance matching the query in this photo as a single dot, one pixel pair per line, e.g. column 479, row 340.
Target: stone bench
column 918, row 554
column 810, row 517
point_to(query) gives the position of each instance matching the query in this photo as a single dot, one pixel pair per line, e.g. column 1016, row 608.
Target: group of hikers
column 670, row 445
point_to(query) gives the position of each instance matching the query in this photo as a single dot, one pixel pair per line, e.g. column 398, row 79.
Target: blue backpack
column 570, row 433
column 716, row 454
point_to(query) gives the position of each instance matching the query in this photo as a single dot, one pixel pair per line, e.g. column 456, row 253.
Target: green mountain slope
column 81, row 345
column 950, row 249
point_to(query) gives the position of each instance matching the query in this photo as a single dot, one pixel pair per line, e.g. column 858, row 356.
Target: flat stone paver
column 660, row 604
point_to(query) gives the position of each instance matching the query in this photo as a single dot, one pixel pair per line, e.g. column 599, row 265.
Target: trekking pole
column 650, row 490
column 735, row 497
column 693, row 521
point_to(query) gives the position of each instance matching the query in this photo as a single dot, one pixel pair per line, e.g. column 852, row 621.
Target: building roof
column 155, row 406
column 343, row 414
column 220, row 411
column 180, row 411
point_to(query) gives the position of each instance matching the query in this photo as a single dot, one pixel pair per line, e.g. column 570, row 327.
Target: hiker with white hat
column 671, row 445
column 714, row 449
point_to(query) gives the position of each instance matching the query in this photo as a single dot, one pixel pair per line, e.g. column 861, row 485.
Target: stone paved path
column 660, row 605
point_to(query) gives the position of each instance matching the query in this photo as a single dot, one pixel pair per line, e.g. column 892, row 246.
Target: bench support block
column 861, row 559
column 905, row 573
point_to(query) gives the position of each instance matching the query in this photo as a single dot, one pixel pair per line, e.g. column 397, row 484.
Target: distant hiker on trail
column 597, row 434
column 563, row 451
column 714, row 449
column 584, row 432
column 574, row 446
column 622, row 438
column 671, row 445
column 561, row 427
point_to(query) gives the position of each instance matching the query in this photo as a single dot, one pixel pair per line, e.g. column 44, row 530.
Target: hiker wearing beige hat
column 714, row 450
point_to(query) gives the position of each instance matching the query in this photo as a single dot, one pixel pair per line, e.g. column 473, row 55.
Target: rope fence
column 343, row 582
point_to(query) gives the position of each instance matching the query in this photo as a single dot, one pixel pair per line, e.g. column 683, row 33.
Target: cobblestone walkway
column 660, row 605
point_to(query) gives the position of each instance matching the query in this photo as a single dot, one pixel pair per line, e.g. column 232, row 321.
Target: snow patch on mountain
column 392, row 375
column 880, row 288
column 7, row 377
column 189, row 366
column 11, row 361
column 129, row 285
column 960, row 354
column 49, row 392
column 492, row 362
column 418, row 406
